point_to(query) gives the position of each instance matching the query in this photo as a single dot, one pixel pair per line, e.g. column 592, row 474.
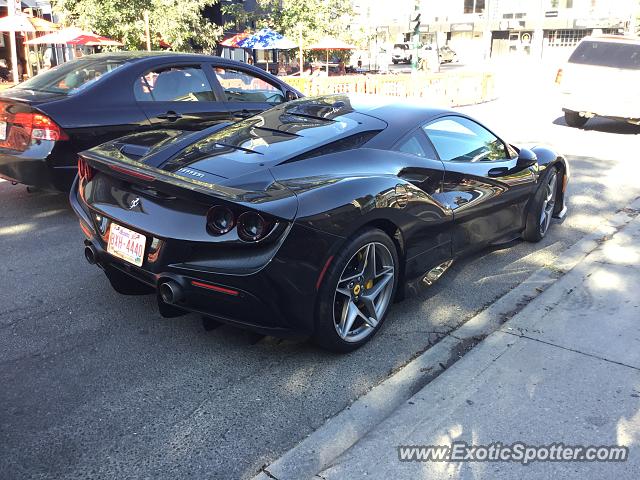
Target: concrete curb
column 339, row 433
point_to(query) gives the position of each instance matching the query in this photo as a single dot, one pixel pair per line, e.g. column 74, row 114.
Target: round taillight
column 251, row 226
column 220, row 220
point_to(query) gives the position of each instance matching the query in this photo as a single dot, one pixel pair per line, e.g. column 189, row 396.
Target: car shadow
column 605, row 125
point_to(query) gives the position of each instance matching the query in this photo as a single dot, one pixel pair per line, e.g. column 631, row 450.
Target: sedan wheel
column 357, row 292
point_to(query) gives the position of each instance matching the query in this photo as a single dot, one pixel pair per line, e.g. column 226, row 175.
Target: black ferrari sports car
column 47, row 120
column 311, row 217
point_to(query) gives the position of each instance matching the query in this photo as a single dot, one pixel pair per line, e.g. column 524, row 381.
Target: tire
column 541, row 211
column 395, row 62
column 353, row 300
column 573, row 119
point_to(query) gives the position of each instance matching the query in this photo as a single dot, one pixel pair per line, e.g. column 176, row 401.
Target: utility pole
column 538, row 34
column 301, row 52
column 147, row 33
column 13, row 6
column 486, row 34
column 634, row 8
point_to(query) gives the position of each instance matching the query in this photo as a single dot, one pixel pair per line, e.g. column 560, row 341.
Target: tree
column 180, row 23
column 317, row 18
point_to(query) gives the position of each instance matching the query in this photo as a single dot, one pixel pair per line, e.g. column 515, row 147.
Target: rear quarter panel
column 364, row 190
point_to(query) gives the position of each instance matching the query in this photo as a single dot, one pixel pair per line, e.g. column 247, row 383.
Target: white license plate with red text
column 126, row 244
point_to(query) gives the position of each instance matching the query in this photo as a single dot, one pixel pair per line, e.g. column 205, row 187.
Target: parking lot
column 95, row 384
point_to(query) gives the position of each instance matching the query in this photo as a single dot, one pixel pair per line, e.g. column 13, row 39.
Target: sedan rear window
column 71, row 77
column 607, row 54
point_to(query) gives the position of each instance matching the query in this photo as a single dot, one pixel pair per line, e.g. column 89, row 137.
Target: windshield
column 401, row 46
column 71, row 77
column 607, row 54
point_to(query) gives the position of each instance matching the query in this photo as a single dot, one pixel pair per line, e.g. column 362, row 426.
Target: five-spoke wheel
column 543, row 207
column 548, row 203
column 363, row 292
column 357, row 291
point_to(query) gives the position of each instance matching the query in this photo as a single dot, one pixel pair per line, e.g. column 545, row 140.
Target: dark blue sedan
column 47, row 120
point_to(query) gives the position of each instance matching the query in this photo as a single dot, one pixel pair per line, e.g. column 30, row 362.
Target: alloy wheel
column 548, row 204
column 364, row 292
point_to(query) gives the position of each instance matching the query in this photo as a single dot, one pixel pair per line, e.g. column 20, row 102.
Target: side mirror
column 291, row 96
column 526, row 159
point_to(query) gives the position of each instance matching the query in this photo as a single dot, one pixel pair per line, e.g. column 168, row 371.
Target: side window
column 415, row 146
column 457, row 139
column 174, row 84
column 240, row 86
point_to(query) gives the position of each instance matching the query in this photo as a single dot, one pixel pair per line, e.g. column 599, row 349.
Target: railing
column 442, row 89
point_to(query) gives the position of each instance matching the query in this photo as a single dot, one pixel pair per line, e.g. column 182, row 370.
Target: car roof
column 387, row 108
column 401, row 115
column 131, row 56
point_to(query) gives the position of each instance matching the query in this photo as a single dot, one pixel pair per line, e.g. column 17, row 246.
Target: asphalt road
column 97, row 385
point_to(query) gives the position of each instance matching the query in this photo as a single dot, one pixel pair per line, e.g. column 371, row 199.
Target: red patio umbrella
column 93, row 40
column 233, row 41
column 73, row 36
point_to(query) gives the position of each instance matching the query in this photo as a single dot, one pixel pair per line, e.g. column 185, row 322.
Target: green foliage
column 317, row 18
column 178, row 22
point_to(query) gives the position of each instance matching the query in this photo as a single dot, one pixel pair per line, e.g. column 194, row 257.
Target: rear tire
column 355, row 296
column 543, row 206
column 573, row 119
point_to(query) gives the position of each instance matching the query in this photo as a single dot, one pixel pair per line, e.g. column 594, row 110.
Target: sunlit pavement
column 98, row 385
column 565, row 370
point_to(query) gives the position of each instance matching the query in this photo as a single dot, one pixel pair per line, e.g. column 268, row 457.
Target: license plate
column 3, row 130
column 126, row 244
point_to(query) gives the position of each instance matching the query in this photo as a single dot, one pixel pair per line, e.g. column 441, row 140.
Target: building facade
column 478, row 29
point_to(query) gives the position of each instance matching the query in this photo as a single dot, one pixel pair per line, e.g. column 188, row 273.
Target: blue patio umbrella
column 267, row 39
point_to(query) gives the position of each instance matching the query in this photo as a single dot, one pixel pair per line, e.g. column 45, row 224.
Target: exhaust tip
column 170, row 292
column 91, row 255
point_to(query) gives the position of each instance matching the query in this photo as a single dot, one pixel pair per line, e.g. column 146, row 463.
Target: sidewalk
column 565, row 369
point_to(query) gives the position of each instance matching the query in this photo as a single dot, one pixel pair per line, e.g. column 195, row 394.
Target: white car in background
column 402, row 53
column 601, row 79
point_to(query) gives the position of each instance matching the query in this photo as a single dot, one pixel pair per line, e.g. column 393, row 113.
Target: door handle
column 498, row 172
column 170, row 115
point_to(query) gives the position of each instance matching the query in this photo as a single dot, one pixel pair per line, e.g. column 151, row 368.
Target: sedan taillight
column 26, row 128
